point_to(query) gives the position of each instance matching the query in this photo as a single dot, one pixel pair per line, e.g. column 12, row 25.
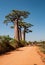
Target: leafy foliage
column 8, row 44
column 22, row 43
column 15, row 14
column 14, row 43
column 5, row 44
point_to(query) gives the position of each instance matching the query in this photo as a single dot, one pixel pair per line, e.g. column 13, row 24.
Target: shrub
column 22, row 43
column 14, row 43
column 5, row 44
column 8, row 44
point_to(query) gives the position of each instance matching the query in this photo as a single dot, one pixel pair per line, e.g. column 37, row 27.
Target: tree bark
column 16, row 32
column 23, row 35
column 20, row 36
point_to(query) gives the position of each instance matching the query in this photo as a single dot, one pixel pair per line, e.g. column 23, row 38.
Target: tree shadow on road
column 19, row 50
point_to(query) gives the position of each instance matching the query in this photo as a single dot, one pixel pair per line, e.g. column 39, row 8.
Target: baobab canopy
column 16, row 14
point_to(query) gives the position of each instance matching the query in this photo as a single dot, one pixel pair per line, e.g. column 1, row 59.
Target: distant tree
column 26, row 27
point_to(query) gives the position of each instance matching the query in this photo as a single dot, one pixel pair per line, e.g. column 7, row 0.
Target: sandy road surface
column 23, row 56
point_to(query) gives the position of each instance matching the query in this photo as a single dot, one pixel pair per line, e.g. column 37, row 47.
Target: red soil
column 22, row 56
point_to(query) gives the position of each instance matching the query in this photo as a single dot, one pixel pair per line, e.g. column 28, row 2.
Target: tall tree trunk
column 20, row 36
column 23, row 35
column 16, row 32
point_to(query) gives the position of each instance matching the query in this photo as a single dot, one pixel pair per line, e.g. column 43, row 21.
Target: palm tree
column 15, row 16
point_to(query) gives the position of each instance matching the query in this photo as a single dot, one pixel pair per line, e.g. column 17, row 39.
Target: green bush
column 22, row 43
column 14, row 43
column 2, row 48
column 5, row 44
column 8, row 44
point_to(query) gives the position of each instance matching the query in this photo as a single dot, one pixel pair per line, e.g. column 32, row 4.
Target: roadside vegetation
column 8, row 44
column 40, row 44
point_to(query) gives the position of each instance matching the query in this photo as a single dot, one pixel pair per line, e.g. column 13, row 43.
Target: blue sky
column 37, row 17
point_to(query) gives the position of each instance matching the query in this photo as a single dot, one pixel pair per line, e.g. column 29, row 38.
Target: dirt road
column 22, row 56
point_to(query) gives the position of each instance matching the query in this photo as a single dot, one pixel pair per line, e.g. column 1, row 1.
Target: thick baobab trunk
column 16, row 32
column 23, row 35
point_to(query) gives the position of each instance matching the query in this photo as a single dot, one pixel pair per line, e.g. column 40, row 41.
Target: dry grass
column 41, row 53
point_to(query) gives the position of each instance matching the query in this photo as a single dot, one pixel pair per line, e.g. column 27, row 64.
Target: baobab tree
column 24, row 34
column 20, row 26
column 26, row 27
column 15, row 16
